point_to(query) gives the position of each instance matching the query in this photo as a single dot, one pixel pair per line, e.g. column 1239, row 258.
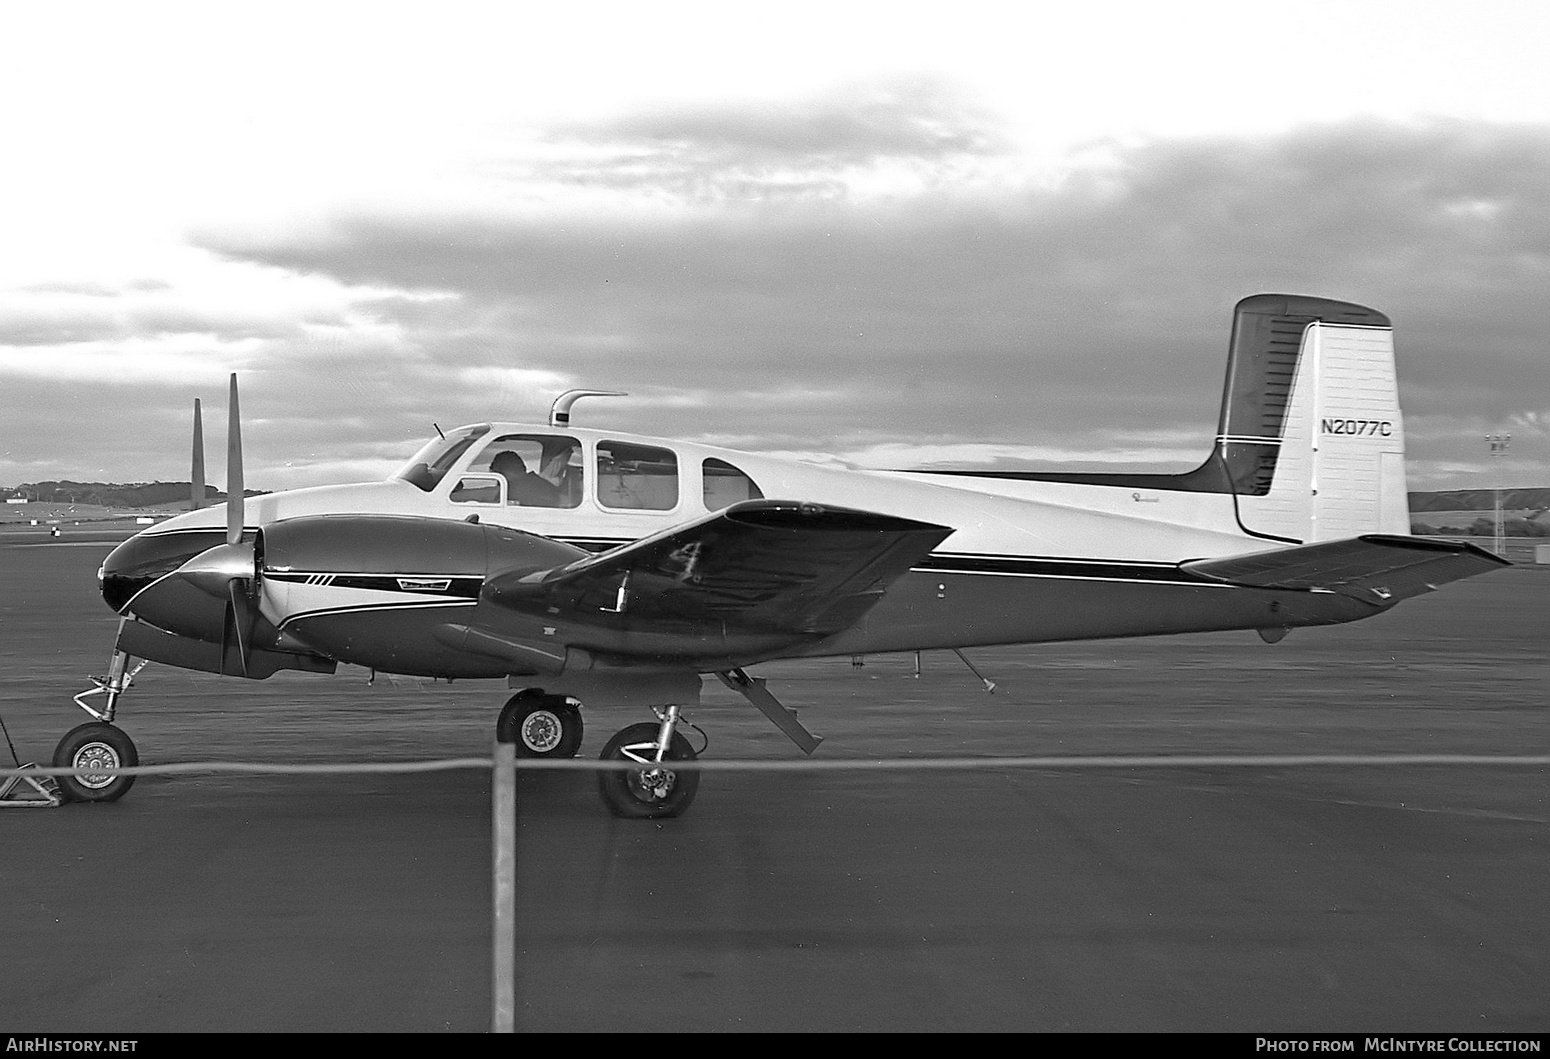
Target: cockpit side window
column 430, row 465
column 636, row 477
column 725, row 485
column 541, row 470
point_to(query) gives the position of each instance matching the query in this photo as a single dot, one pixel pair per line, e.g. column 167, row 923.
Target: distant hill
column 110, row 494
column 1480, row 500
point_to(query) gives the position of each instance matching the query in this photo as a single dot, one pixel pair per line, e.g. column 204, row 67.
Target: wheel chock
column 30, row 792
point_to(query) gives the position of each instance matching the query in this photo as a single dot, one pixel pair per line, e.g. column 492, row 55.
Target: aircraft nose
column 145, row 558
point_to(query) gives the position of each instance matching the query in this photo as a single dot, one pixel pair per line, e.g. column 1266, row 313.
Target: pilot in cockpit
column 522, row 485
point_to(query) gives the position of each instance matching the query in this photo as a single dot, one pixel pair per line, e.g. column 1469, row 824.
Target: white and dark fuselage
column 364, row 588
column 393, row 575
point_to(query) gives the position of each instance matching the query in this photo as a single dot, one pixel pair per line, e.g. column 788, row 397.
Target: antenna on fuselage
column 559, row 412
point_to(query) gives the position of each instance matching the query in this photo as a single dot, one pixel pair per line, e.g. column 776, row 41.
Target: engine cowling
column 372, row 589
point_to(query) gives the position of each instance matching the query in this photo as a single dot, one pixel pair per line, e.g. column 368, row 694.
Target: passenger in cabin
column 522, row 485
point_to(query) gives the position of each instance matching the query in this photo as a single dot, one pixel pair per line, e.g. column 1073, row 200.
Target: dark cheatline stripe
column 376, row 608
column 595, row 544
column 461, row 587
column 1050, row 567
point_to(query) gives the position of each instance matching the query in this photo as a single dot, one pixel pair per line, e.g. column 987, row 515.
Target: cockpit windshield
column 427, row 467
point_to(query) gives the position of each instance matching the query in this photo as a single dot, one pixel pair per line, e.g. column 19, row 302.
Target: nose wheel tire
column 95, row 745
column 541, row 726
column 655, row 790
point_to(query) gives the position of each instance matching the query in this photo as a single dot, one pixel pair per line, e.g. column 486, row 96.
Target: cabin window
column 541, row 470
column 725, row 485
column 476, row 489
column 636, row 477
column 430, row 465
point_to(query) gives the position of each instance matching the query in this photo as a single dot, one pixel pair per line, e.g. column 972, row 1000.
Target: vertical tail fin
column 1310, row 434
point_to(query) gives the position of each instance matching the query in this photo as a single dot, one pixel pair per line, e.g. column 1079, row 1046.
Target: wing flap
column 1378, row 568
column 760, row 566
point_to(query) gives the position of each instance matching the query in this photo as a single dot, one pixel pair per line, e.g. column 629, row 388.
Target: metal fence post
column 503, row 786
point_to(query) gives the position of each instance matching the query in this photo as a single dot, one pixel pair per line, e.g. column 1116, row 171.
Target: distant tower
column 1498, row 443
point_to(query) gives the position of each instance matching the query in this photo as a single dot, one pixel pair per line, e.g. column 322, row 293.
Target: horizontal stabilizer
column 761, row 566
column 1377, row 568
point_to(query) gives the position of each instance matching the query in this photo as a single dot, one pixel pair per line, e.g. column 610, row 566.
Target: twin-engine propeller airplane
column 591, row 566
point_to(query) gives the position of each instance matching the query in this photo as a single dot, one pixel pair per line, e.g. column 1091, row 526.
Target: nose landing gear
column 99, row 744
column 94, row 746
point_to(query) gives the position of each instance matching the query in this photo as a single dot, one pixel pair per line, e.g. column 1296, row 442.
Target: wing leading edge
column 765, row 566
column 1376, row 568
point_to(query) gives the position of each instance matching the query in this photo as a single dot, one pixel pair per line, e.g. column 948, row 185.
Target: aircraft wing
column 1377, row 568
column 759, row 566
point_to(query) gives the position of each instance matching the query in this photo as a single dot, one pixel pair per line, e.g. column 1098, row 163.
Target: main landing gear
column 540, row 725
column 544, row 725
column 99, row 744
column 547, row 727
column 655, row 790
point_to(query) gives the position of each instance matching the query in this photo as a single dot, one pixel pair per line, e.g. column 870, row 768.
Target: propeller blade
column 240, row 618
column 196, row 487
column 234, row 505
column 231, row 573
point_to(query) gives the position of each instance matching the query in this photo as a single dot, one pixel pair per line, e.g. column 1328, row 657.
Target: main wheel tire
column 541, row 726
column 654, row 791
column 95, row 745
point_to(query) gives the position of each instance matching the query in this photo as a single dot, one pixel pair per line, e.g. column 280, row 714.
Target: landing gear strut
column 655, row 790
column 99, row 744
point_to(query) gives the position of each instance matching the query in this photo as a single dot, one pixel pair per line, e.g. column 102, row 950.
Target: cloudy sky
column 905, row 234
